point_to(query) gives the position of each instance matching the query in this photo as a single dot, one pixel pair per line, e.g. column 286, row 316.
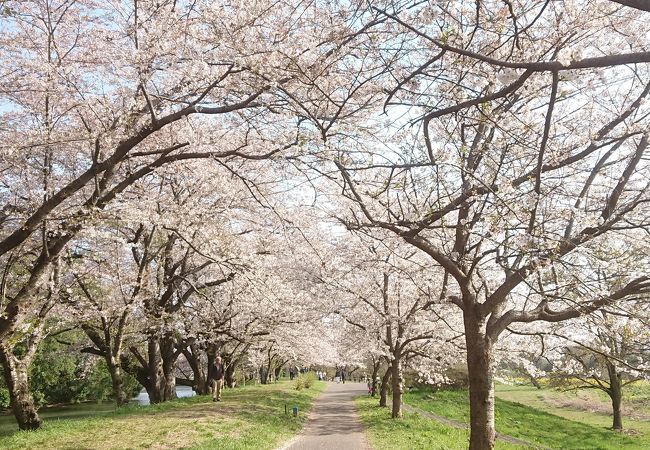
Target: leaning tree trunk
column 383, row 392
column 398, row 387
column 229, row 374
column 108, row 345
column 615, row 392
column 200, row 373
column 481, row 384
column 22, row 402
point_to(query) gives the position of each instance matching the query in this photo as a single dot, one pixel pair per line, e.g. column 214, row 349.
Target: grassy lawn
column 249, row 417
column 530, row 424
column 592, row 407
column 411, row 432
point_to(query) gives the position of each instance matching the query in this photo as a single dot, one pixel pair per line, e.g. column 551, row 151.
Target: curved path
column 333, row 423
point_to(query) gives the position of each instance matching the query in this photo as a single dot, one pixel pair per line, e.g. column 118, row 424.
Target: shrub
column 310, row 379
column 305, row 380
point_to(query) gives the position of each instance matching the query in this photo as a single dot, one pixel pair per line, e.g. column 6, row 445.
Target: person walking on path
column 219, row 372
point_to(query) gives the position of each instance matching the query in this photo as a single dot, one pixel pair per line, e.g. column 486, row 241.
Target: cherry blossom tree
column 98, row 95
column 389, row 292
column 608, row 351
column 525, row 161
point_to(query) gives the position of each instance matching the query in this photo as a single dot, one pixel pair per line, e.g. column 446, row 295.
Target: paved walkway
column 333, row 422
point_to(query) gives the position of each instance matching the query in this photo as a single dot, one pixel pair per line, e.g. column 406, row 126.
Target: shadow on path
column 333, row 422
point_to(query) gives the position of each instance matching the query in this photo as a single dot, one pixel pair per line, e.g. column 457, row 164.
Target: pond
column 181, row 391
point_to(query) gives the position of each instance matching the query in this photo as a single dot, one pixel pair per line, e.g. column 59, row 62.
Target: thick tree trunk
column 117, row 380
column 212, row 356
column 161, row 369
column 383, row 391
column 154, row 372
column 398, row 387
column 264, row 375
column 22, row 402
column 169, row 356
column 616, row 394
column 481, row 385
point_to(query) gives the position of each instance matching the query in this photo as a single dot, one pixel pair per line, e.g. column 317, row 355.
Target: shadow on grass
column 528, row 423
column 272, row 398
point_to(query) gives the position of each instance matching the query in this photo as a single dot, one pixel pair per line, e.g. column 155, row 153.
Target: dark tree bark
column 481, row 384
column 231, row 361
column 264, row 375
column 165, row 374
column 375, row 372
column 615, row 393
column 109, row 347
column 230, row 374
column 383, row 391
column 193, row 354
column 157, row 373
column 398, row 386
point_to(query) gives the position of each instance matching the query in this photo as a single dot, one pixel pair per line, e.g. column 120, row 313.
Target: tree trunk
column 109, row 346
column 375, row 372
column 229, row 375
column 193, row 355
column 383, row 392
column 169, row 356
column 22, row 401
column 264, row 374
column 269, row 369
column 616, row 394
column 161, row 369
column 481, row 384
column 534, row 382
column 398, row 387
column 154, row 371
column 117, row 380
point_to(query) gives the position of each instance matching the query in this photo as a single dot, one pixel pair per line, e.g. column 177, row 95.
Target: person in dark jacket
column 218, row 373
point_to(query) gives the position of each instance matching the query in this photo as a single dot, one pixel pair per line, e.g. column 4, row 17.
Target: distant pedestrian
column 218, row 373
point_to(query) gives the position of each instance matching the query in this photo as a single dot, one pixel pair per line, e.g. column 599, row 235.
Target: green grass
column 530, row 424
column 250, row 417
column 411, row 432
column 590, row 407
